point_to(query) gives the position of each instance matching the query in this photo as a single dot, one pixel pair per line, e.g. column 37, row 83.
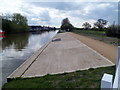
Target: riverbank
column 68, row 55
column 17, row 48
column 80, row 79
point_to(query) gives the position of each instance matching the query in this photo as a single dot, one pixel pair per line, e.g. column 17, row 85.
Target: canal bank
column 63, row 53
column 17, row 48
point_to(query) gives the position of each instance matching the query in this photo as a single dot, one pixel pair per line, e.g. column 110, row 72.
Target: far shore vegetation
column 15, row 23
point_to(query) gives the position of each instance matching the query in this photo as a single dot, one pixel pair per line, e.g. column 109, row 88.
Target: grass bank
column 80, row 79
column 91, row 32
column 98, row 35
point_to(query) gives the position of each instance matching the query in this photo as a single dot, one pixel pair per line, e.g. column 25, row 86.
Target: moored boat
column 2, row 33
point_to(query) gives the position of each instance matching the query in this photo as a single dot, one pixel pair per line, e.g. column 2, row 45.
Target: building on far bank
column 41, row 28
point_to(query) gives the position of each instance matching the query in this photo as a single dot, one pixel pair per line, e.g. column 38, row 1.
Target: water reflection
column 18, row 41
column 17, row 48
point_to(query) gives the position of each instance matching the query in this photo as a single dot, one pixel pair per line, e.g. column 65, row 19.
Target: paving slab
column 63, row 54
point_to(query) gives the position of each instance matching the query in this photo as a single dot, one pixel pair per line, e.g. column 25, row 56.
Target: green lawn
column 98, row 35
column 80, row 79
column 91, row 32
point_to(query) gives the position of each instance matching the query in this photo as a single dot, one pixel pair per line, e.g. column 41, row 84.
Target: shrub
column 113, row 31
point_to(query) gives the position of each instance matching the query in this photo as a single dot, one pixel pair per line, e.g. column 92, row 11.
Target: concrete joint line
column 37, row 56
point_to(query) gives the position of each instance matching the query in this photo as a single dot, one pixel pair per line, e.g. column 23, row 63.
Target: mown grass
column 80, row 79
column 98, row 35
column 91, row 32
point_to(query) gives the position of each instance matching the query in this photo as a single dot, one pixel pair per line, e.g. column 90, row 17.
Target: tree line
column 15, row 23
column 99, row 25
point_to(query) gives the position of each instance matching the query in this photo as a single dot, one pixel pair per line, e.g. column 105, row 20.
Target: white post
column 117, row 73
column 118, row 56
column 117, row 77
column 106, row 81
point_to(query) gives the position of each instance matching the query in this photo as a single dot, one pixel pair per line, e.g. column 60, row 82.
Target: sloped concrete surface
column 65, row 55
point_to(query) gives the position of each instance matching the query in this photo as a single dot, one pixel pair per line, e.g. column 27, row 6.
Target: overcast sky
column 52, row 13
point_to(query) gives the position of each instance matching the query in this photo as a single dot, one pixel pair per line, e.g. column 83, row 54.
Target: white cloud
column 35, row 19
column 77, row 12
column 10, row 6
column 104, row 5
column 72, row 0
column 87, row 10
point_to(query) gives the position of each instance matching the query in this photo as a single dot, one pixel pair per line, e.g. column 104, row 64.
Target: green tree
column 7, row 25
column 86, row 25
column 15, row 23
column 100, row 23
column 21, row 22
column 66, row 25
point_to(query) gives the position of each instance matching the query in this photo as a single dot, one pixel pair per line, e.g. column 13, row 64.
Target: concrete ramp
column 63, row 53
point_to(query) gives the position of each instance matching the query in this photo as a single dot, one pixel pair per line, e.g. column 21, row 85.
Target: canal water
column 17, row 48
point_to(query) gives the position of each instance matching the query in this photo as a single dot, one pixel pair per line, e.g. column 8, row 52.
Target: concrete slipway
column 63, row 53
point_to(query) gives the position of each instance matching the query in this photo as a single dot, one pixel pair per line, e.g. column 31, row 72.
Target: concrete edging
column 25, row 65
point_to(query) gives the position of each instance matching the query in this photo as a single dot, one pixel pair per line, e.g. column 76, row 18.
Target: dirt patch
column 107, row 50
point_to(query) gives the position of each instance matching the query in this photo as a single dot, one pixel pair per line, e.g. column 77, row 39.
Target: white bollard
column 118, row 58
column 106, row 81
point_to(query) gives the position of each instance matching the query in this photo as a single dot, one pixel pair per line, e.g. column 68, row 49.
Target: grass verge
column 90, row 78
column 98, row 35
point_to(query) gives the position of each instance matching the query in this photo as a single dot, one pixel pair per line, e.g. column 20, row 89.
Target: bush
column 79, row 28
column 113, row 31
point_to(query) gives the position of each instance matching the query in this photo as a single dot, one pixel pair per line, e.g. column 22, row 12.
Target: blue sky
column 52, row 13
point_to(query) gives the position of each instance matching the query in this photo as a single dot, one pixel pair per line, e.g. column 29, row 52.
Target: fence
column 107, row 79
